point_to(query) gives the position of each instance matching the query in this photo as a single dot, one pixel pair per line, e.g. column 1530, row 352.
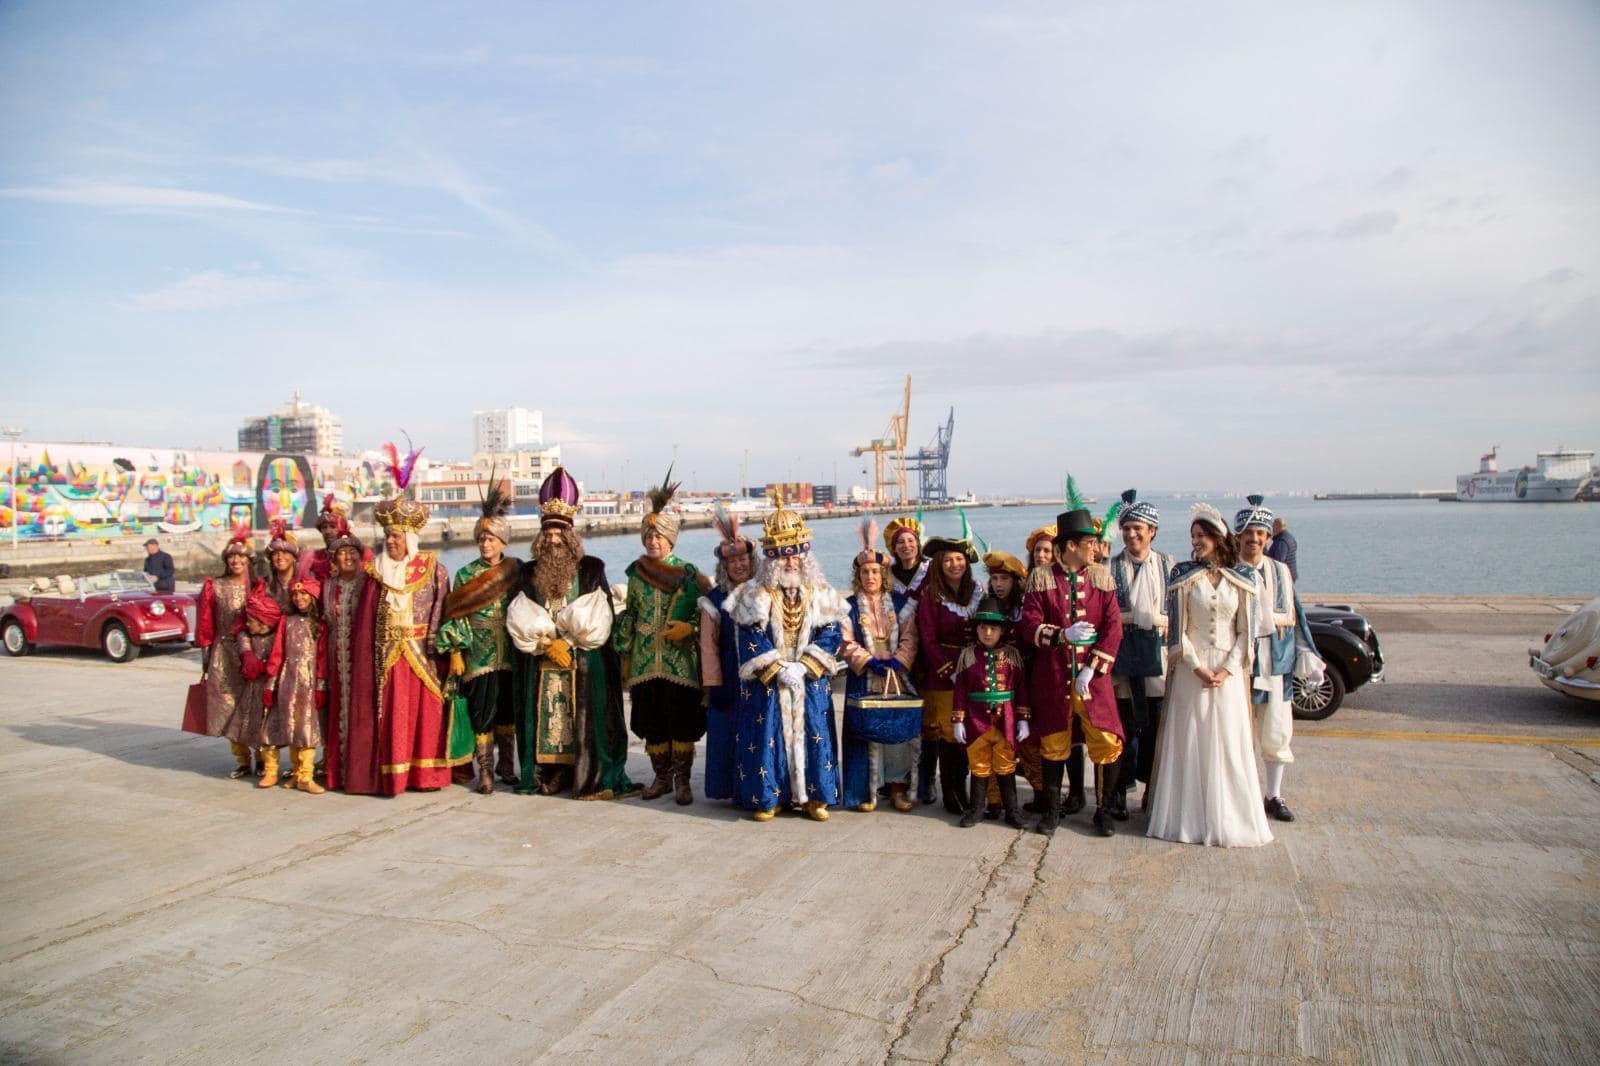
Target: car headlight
column 158, row 608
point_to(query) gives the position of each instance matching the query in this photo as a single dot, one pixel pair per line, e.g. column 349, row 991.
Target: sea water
column 1398, row 547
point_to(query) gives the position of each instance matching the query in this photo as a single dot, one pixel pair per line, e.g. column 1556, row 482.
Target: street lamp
column 11, row 433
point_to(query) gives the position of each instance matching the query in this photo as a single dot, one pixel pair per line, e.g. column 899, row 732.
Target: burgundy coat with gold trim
column 1054, row 599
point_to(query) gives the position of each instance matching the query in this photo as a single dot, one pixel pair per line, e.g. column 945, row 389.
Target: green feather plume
column 1106, row 522
column 1074, row 498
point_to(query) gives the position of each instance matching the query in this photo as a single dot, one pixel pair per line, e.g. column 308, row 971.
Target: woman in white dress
column 1206, row 791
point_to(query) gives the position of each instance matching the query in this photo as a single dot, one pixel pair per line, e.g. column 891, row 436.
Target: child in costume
column 255, row 634
column 986, row 715
column 297, row 695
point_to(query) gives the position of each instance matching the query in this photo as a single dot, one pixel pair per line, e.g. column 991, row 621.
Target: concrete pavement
column 1438, row 900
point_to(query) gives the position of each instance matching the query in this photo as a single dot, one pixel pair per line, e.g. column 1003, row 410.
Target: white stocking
column 1274, row 779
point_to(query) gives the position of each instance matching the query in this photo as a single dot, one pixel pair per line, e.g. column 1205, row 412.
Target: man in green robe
column 657, row 636
column 474, row 636
column 568, row 679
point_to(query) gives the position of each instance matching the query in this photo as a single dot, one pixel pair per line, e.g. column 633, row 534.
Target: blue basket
column 885, row 719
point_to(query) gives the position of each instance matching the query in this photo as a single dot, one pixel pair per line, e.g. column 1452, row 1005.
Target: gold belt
column 399, row 632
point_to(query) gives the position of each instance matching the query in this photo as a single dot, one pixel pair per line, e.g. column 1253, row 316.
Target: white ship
column 1557, row 477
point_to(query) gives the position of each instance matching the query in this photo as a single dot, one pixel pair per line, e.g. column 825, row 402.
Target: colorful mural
column 94, row 490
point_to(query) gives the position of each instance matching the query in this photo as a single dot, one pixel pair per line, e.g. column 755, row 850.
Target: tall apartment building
column 508, row 429
column 519, row 464
column 297, row 426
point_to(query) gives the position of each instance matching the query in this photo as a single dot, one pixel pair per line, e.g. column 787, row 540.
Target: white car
column 1569, row 659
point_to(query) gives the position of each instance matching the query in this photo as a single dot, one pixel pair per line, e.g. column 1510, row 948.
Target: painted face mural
column 284, row 493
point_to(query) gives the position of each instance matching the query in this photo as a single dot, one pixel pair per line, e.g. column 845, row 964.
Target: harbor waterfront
column 1404, row 547
column 1437, row 900
column 1400, row 547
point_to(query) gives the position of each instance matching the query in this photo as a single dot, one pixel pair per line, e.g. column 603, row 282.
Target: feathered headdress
column 282, row 539
column 868, row 535
column 402, row 513
column 239, row 542
column 332, row 511
column 494, row 508
column 727, row 526
column 659, row 518
column 400, row 469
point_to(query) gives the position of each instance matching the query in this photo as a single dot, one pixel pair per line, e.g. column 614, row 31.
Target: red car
column 116, row 612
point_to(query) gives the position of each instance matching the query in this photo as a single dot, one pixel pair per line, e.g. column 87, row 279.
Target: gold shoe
column 817, row 811
column 308, row 786
column 898, row 797
column 764, row 816
column 867, row 807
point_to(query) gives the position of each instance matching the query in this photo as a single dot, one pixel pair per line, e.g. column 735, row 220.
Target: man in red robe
column 1069, row 613
column 398, row 730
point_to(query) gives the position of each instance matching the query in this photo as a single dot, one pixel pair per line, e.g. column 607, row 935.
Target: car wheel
column 115, row 643
column 14, row 638
column 1316, row 702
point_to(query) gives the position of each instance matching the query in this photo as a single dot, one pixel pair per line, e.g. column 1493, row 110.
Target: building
column 298, row 427
column 519, row 464
column 508, row 429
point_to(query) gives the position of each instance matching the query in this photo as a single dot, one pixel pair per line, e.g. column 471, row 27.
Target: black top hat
column 1075, row 523
column 990, row 609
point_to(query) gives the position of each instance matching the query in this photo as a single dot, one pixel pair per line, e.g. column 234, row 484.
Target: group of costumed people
column 1173, row 674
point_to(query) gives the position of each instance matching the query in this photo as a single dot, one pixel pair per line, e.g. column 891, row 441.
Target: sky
column 1226, row 245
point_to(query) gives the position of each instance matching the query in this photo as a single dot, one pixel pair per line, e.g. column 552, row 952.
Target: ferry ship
column 1557, row 477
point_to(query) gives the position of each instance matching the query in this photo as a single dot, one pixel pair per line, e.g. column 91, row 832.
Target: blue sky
column 1222, row 245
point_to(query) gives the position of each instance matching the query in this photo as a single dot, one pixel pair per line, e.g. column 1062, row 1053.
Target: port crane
column 932, row 464
column 889, row 455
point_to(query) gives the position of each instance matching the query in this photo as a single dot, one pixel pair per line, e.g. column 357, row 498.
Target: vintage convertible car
column 115, row 612
column 1349, row 646
column 1568, row 661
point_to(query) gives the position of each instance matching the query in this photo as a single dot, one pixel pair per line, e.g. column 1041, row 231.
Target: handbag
column 194, row 710
column 892, row 716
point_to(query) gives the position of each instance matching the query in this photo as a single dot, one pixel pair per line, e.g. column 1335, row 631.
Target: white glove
column 792, row 676
column 959, row 731
column 1319, row 674
column 1079, row 631
column 1022, row 730
column 1081, row 684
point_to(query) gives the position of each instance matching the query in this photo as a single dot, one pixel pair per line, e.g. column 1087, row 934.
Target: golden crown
column 786, row 531
column 402, row 513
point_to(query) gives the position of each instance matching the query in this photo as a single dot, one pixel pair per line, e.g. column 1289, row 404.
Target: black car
column 1347, row 643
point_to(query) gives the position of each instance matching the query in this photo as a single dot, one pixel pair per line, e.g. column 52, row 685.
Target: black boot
column 1008, row 800
column 953, row 777
column 1052, row 797
column 980, row 787
column 1105, row 790
column 1075, row 801
column 925, row 768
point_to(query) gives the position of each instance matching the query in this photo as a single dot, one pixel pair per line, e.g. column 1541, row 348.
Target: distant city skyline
column 1317, row 246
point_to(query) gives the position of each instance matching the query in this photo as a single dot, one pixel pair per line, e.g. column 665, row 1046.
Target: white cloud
column 212, row 289
column 135, row 196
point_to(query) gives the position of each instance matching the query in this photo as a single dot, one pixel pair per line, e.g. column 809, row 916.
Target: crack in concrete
column 935, row 975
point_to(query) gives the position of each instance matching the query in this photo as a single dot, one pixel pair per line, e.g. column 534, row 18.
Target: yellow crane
column 889, row 455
